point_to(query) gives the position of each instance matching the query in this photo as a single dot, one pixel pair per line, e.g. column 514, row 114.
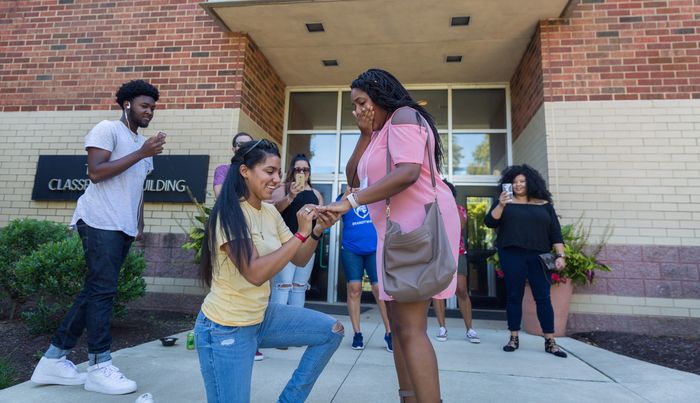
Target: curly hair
column 134, row 88
column 388, row 93
column 535, row 184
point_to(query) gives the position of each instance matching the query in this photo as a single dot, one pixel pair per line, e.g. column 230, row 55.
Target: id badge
column 363, row 183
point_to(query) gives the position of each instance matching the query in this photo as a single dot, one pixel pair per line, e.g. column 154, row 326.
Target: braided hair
column 389, row 94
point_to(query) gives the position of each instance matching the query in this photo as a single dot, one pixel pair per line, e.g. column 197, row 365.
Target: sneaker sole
column 55, row 380
column 122, row 391
column 474, row 341
column 259, row 358
column 358, row 348
column 441, row 339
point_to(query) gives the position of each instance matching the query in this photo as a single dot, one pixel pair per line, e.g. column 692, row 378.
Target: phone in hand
column 508, row 188
column 299, row 180
column 161, row 135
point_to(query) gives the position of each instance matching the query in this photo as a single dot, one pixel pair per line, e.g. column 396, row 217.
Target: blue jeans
column 226, row 353
column 292, row 278
column 105, row 252
column 519, row 265
column 354, row 265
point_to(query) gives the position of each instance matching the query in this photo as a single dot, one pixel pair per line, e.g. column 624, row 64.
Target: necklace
column 259, row 226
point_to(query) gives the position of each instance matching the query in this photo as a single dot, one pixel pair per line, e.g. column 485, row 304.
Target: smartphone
column 300, row 180
column 162, row 135
column 508, row 188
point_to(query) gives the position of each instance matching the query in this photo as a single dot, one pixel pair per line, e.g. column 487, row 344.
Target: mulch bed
column 24, row 350
column 670, row 351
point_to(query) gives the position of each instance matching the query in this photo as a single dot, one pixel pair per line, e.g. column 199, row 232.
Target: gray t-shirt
column 113, row 204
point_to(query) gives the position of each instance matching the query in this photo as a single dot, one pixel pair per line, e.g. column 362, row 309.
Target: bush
column 55, row 273
column 7, row 373
column 18, row 239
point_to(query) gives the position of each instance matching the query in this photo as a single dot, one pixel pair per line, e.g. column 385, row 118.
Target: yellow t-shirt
column 232, row 300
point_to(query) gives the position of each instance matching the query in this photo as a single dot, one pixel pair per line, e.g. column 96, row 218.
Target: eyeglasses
column 302, row 170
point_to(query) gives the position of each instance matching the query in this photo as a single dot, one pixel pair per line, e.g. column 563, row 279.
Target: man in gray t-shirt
column 109, row 216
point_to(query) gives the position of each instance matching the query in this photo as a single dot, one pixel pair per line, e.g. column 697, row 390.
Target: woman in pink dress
column 385, row 111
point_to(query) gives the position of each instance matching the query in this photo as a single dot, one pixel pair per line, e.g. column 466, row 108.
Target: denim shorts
column 356, row 265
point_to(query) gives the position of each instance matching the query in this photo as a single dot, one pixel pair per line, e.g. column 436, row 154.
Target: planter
column 561, row 298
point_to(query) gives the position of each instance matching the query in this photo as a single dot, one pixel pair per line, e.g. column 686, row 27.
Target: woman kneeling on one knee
column 246, row 243
column 527, row 227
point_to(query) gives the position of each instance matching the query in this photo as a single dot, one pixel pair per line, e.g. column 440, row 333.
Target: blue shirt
column 359, row 236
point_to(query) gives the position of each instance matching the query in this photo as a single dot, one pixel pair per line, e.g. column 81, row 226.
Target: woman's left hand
column 325, row 220
column 341, row 207
column 560, row 263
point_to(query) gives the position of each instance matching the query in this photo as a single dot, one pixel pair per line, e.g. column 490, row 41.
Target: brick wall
column 73, row 55
column 263, row 92
column 526, row 87
column 623, row 50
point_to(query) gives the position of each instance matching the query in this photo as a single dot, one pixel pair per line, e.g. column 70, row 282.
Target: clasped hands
column 324, row 219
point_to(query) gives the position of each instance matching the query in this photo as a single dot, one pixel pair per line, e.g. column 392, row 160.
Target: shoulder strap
column 427, row 149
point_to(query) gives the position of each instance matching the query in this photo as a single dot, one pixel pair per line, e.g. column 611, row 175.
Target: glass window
column 312, row 110
column 435, row 102
column 478, row 154
column 479, row 109
column 347, row 121
column 320, row 148
column 347, row 146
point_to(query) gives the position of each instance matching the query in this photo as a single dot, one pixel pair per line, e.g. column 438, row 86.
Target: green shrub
column 7, row 373
column 55, row 273
column 18, row 239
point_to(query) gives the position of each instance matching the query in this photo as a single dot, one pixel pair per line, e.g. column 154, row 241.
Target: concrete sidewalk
column 468, row 373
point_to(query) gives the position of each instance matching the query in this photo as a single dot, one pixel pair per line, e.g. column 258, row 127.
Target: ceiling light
column 330, row 63
column 315, row 27
column 453, row 59
column 460, row 21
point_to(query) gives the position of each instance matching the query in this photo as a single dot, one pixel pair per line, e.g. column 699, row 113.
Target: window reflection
column 479, row 109
column 319, row 148
column 347, row 146
column 312, row 110
column 478, row 154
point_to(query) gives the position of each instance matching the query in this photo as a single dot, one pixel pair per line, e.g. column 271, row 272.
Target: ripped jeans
column 289, row 285
column 226, row 353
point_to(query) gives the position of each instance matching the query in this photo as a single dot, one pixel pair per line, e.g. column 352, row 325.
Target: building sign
column 64, row 177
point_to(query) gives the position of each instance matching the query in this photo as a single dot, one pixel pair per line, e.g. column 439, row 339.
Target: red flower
column 556, row 278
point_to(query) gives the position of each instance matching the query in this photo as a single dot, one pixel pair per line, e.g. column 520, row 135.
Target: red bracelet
column 300, row 237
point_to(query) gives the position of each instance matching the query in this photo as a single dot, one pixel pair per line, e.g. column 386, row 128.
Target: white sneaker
column 145, row 398
column 442, row 334
column 473, row 337
column 106, row 378
column 57, row 371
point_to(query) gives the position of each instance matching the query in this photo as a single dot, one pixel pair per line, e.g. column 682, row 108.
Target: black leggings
column 519, row 265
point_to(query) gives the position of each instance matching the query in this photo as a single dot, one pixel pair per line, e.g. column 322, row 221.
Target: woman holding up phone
column 289, row 286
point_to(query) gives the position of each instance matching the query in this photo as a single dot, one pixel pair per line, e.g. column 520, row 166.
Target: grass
column 7, row 373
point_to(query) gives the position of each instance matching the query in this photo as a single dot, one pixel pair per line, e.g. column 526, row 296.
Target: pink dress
column 407, row 208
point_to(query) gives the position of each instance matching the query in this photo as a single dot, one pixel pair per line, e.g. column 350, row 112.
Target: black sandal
column 512, row 345
column 551, row 347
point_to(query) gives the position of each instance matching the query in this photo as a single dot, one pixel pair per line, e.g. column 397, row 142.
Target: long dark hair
column 227, row 209
column 388, row 93
column 535, row 184
column 289, row 176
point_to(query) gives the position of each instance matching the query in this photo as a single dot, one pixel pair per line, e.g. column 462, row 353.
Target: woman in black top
column 527, row 226
column 289, row 286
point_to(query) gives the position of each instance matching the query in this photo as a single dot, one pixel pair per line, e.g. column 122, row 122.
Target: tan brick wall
column 26, row 135
column 531, row 146
column 633, row 164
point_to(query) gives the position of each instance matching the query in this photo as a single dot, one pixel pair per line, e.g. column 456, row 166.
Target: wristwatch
column 314, row 237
